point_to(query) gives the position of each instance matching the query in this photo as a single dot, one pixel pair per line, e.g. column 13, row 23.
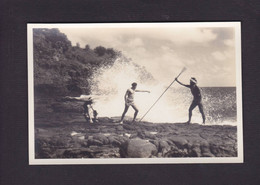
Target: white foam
column 171, row 108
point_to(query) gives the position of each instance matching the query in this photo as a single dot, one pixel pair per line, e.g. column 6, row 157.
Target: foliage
column 63, row 69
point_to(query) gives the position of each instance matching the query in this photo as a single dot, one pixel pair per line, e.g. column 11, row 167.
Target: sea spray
column 112, row 82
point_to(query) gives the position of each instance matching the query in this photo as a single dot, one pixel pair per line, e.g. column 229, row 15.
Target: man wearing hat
column 196, row 98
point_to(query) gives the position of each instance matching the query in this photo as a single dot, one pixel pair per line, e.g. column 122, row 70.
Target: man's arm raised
column 181, row 83
column 142, row 91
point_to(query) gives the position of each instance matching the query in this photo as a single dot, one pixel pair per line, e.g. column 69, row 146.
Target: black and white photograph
column 135, row 93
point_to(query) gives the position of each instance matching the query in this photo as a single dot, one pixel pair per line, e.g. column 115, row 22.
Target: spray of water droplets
column 112, row 82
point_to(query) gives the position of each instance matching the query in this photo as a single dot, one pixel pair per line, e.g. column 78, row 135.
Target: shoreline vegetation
column 61, row 69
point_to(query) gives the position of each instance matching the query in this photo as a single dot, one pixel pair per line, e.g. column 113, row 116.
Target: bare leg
column 192, row 106
column 136, row 112
column 125, row 111
column 85, row 107
column 95, row 116
column 90, row 114
column 202, row 112
column 86, row 113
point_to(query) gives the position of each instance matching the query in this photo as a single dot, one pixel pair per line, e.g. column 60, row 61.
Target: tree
column 87, row 47
column 100, row 50
column 111, row 52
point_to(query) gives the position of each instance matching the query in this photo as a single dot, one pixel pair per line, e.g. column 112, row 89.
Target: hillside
column 60, row 68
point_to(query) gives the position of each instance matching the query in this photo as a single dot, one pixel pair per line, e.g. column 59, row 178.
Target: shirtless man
column 129, row 101
column 196, row 98
column 89, row 113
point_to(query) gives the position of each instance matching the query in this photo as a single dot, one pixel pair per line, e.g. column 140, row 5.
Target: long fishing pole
column 162, row 94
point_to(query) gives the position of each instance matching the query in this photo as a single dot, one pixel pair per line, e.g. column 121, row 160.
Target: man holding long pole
column 196, row 98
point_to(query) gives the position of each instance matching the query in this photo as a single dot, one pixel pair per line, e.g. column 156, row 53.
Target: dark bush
column 100, row 50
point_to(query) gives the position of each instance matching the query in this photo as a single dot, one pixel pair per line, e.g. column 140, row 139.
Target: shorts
column 130, row 103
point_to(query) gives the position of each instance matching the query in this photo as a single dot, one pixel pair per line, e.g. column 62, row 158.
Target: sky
column 208, row 52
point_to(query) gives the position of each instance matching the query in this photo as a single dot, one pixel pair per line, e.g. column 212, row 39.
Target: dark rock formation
column 138, row 148
column 77, row 139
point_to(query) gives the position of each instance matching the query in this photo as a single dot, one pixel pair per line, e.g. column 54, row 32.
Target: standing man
column 196, row 98
column 129, row 101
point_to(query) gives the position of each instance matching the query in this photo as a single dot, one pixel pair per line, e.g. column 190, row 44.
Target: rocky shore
column 107, row 139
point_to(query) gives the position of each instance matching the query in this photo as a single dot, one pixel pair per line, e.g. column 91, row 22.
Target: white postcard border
column 31, row 139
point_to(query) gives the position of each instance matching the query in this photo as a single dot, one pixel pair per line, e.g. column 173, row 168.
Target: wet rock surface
column 105, row 139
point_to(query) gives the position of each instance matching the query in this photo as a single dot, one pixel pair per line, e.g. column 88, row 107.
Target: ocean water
column 219, row 105
column 111, row 84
